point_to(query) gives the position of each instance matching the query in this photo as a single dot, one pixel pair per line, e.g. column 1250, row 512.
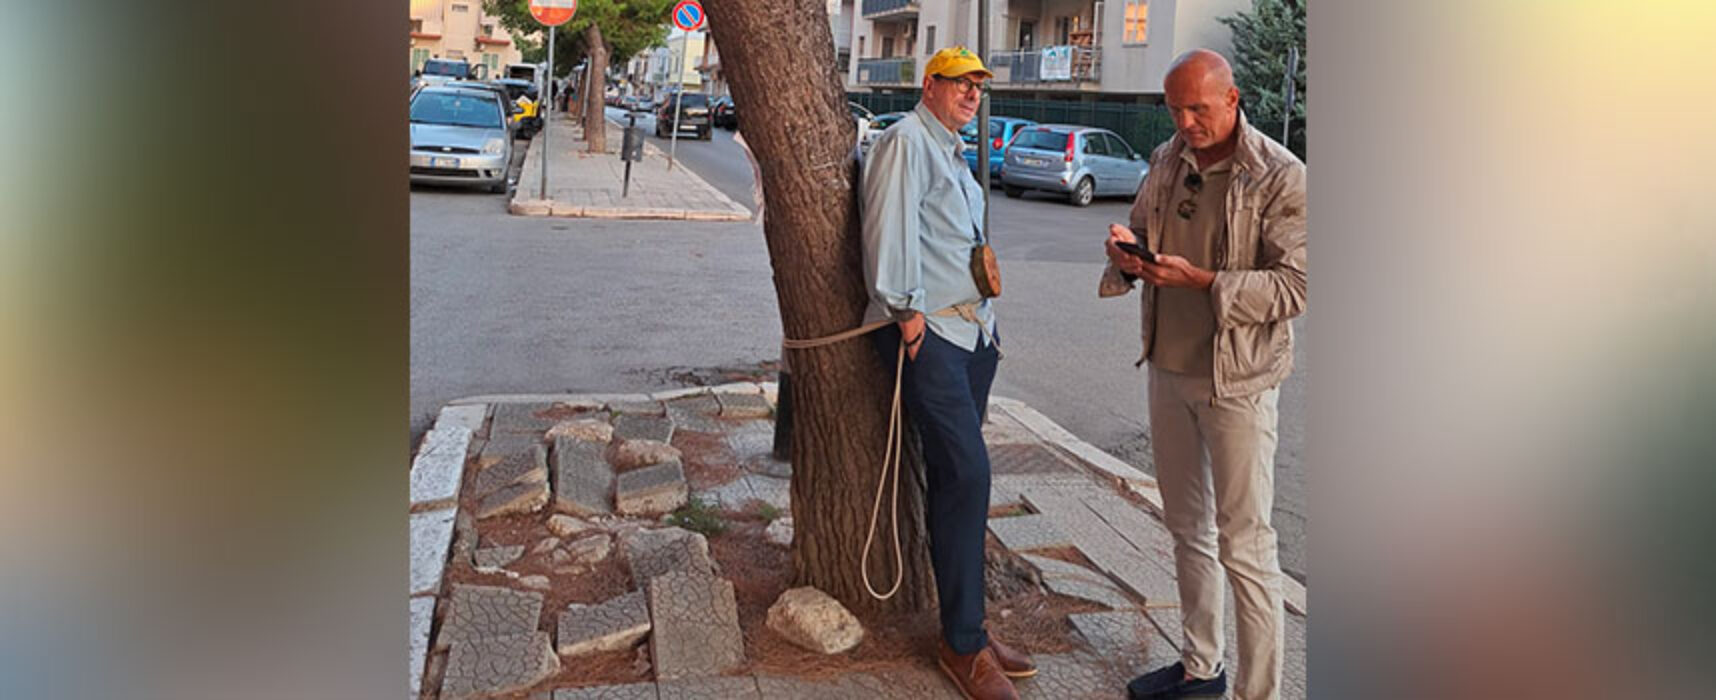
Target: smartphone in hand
column 1137, row 249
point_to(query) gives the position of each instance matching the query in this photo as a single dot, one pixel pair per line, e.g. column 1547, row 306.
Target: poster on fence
column 1057, row 63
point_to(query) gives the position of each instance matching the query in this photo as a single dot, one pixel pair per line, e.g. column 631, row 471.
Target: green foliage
column 768, row 512
column 627, row 26
column 698, row 516
column 1261, row 39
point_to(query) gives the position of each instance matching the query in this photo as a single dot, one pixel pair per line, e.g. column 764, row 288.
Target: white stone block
column 439, row 464
column 431, row 536
column 422, row 614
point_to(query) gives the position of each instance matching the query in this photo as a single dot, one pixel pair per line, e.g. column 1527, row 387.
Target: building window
column 492, row 63
column 929, row 40
column 416, row 26
column 1137, row 22
column 461, row 8
column 418, row 57
column 488, row 30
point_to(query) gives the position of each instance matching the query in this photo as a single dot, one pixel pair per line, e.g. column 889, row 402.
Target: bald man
column 1223, row 210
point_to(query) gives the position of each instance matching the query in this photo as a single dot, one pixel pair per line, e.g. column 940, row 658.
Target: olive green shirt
column 1185, row 322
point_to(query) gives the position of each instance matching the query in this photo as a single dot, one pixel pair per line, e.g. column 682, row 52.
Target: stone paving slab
column 501, row 446
column 702, row 403
column 1026, row 532
column 439, row 465
column 744, row 406
column 1078, row 582
column 651, row 490
column 484, row 612
column 720, row 688
column 522, row 418
column 652, row 553
column 1098, row 541
column 492, row 558
column 751, row 439
column 527, row 465
column 1142, row 529
column 1168, row 624
column 630, row 691
column 526, row 497
column 468, row 416
column 615, row 624
column 638, row 427
column 1072, row 677
column 915, row 682
column 583, row 479
column 431, row 537
column 1053, row 433
column 422, row 616
column 644, row 406
column 1027, row 459
column 1003, row 429
column 484, row 668
column 695, row 628
column 1116, row 634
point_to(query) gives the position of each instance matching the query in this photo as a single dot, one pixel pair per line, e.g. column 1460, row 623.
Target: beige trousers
column 1218, row 511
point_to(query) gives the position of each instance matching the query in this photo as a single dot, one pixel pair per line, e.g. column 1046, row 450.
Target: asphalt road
column 516, row 304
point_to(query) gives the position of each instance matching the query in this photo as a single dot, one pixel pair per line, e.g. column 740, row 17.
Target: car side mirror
column 1137, row 156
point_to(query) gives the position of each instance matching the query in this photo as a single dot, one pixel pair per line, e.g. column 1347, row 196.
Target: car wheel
column 1082, row 193
column 498, row 188
column 706, row 134
column 1012, row 192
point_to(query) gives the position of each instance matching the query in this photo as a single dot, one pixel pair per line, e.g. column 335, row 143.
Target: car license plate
column 443, row 162
column 1034, row 162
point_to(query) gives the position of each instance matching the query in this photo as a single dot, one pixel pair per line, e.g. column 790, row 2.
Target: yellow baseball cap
column 955, row 61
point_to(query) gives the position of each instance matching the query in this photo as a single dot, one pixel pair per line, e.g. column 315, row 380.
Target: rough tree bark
column 779, row 59
column 595, row 129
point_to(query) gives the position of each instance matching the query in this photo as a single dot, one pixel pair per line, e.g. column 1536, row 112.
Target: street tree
column 600, row 30
column 1261, row 40
column 778, row 59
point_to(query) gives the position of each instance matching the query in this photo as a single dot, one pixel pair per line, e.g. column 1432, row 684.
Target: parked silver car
column 1082, row 162
column 459, row 137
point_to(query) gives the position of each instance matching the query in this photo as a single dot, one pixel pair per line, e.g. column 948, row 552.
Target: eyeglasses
column 966, row 85
column 1194, row 184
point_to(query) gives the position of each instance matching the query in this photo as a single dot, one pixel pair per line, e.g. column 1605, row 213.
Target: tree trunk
column 595, row 127
column 779, row 60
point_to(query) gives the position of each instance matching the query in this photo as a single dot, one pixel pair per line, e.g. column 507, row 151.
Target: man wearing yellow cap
column 921, row 209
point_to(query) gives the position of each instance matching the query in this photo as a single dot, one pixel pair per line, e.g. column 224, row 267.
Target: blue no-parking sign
column 688, row 15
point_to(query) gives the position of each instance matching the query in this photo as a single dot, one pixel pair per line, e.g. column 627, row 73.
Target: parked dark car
column 693, row 115
column 722, row 113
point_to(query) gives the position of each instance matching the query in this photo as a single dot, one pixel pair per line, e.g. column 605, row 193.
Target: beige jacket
column 1260, row 263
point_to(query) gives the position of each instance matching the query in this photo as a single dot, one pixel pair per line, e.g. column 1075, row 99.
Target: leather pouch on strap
column 985, row 271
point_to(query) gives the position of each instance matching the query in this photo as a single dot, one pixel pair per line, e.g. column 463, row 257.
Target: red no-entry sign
column 553, row 12
column 688, row 15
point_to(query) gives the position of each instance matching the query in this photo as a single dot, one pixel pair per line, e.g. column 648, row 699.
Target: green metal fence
column 1144, row 126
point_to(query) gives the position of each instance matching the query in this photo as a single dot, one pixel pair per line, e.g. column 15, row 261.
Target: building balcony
column 891, row 9
column 887, row 71
column 1067, row 66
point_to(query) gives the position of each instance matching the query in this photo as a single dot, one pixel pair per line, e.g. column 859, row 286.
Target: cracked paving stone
column 500, row 446
column 1070, row 676
column 527, row 465
column 751, row 439
column 651, row 490
column 583, row 479
column 695, row 626
column 1115, row 634
column 635, row 427
column 484, row 668
column 482, row 612
column 719, row 688
column 527, row 497
column 743, row 406
column 652, row 553
column 1026, row 532
column 629, row 691
column 1079, row 582
column 521, row 418
column 615, row 624
column 491, row 558
column 637, row 408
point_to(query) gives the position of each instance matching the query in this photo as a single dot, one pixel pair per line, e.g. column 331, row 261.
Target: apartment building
column 1039, row 49
column 460, row 29
column 840, row 16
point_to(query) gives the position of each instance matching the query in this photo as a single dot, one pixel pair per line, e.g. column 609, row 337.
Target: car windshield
column 453, row 68
column 455, row 110
column 1042, row 139
column 694, row 100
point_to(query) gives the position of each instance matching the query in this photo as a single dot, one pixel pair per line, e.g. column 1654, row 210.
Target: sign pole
column 1287, row 111
column 678, row 97
column 983, row 114
column 545, row 105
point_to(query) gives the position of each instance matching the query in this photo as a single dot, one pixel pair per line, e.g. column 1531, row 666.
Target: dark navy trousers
column 945, row 391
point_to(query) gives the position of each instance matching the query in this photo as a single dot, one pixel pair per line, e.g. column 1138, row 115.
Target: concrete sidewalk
column 583, row 184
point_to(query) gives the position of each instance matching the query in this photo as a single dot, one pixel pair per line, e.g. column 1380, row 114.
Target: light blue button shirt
column 921, row 206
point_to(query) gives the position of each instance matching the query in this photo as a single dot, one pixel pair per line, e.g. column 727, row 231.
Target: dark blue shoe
column 1170, row 682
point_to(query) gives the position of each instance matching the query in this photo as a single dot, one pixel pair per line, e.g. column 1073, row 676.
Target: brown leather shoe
column 978, row 675
column 1014, row 663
